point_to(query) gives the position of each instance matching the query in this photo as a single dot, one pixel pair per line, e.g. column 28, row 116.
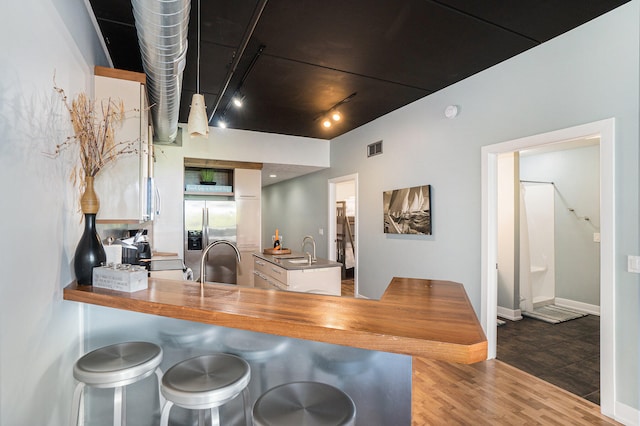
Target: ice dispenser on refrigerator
column 206, row 221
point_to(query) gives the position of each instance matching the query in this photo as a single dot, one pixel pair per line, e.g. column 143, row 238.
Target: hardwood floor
column 493, row 393
column 347, row 287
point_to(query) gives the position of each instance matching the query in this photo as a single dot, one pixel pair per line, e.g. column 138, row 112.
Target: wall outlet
column 596, row 237
column 320, row 231
column 633, row 264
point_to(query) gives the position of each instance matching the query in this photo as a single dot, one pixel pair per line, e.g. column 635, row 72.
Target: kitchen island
column 297, row 272
column 414, row 318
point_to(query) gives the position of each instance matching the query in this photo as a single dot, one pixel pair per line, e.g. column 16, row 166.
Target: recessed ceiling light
column 273, row 176
column 326, row 123
column 222, row 124
column 335, row 116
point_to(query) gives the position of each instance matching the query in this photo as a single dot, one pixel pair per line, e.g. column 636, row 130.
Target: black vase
column 89, row 252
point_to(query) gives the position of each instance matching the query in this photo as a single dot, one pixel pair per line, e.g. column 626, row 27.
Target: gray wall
column 40, row 226
column 295, row 208
column 575, row 173
column 583, row 76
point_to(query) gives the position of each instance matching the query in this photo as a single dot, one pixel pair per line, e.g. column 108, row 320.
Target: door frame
column 605, row 129
column 332, row 234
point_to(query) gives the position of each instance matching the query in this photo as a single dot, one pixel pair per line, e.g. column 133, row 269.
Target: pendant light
column 198, row 124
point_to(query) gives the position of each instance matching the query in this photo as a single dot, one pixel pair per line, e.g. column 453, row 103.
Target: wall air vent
column 374, row 149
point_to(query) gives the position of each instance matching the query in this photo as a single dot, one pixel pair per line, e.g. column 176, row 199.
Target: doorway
column 549, row 264
column 605, row 131
column 343, row 225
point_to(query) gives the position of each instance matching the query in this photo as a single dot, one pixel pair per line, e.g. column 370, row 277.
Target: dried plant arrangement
column 94, row 125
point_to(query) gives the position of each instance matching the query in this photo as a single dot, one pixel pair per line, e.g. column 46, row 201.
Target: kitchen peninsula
column 425, row 318
column 414, row 318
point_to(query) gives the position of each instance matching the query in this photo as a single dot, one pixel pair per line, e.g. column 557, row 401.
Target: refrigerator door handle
column 205, row 228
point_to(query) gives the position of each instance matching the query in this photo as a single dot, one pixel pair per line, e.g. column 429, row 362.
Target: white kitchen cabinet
column 247, row 189
column 323, row 280
column 125, row 187
column 247, row 183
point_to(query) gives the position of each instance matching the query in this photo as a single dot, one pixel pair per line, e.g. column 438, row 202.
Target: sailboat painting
column 407, row 210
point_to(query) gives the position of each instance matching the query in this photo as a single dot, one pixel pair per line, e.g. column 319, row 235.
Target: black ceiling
column 305, row 56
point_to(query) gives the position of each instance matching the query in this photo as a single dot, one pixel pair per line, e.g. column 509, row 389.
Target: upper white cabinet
column 248, row 183
column 125, row 187
column 247, row 195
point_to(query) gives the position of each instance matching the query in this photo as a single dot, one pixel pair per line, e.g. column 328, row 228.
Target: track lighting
column 333, row 114
column 238, row 100
column 330, row 118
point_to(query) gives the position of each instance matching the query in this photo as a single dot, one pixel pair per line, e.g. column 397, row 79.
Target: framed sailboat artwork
column 407, row 210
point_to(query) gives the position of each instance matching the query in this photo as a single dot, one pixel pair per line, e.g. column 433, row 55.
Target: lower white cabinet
column 307, row 280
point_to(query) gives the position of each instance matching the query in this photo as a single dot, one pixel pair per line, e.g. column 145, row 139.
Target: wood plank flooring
column 491, row 393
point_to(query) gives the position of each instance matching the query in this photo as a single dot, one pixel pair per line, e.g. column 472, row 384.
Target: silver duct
column 162, row 34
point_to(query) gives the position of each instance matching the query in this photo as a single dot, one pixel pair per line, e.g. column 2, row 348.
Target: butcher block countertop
column 417, row 317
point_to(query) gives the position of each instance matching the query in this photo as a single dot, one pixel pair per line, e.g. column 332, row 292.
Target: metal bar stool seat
column 304, row 403
column 205, row 382
column 115, row 366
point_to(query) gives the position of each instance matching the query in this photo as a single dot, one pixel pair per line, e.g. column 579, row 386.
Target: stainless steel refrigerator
column 206, row 221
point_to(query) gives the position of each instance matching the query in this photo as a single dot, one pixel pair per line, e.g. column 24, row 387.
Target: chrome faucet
column 313, row 242
column 204, row 256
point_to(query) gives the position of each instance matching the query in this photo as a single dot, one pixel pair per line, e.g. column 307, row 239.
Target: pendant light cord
column 198, row 60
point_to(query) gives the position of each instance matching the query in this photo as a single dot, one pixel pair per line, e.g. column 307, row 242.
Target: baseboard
column 579, row 306
column 510, row 314
column 627, row 415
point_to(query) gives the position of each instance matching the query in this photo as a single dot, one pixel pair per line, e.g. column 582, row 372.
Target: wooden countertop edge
column 431, row 349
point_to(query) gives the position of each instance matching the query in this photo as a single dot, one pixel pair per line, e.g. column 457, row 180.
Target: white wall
column 575, row 173
column 40, row 226
column 586, row 75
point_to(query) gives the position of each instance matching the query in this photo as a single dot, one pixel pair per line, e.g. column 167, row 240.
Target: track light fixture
column 238, row 100
column 333, row 114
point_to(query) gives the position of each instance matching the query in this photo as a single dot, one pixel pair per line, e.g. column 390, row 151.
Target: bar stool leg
column 215, row 417
column 74, row 419
column 164, row 418
column 119, row 415
column 246, row 406
column 160, row 396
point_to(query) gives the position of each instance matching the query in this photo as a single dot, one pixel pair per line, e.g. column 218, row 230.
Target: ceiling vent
column 374, row 149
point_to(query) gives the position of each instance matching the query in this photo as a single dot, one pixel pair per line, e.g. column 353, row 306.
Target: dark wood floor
column 565, row 354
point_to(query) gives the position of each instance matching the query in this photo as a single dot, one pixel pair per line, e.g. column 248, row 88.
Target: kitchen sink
column 298, row 261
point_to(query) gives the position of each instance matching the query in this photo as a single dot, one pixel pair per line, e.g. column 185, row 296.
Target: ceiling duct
column 162, row 34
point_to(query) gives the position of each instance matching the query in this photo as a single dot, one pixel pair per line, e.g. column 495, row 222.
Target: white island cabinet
column 125, row 187
column 293, row 273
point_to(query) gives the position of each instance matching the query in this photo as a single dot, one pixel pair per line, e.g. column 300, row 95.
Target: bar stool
column 304, row 403
column 256, row 348
column 115, row 366
column 205, row 382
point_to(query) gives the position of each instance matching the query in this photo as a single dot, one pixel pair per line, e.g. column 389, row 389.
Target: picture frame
column 407, row 210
